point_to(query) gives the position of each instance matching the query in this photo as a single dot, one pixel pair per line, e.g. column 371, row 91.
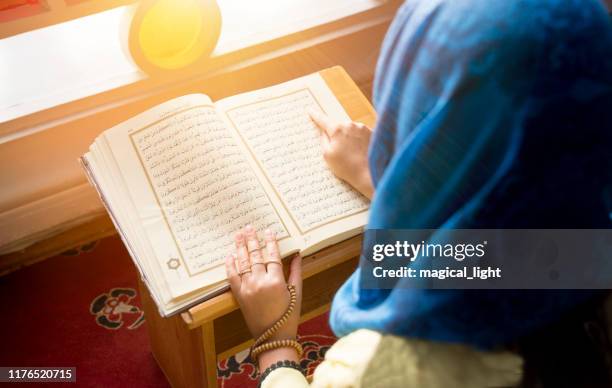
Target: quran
column 180, row 179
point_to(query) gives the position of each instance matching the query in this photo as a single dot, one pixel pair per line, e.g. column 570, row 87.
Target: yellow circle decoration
column 171, row 35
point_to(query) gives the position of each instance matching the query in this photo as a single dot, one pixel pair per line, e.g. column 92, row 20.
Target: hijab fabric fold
column 492, row 114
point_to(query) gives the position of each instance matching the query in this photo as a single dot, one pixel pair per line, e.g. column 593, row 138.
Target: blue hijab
column 492, row 114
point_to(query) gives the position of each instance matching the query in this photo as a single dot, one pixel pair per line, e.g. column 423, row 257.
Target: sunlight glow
column 172, row 33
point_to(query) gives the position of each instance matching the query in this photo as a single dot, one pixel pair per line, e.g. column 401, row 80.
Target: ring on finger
column 272, row 262
column 244, row 267
column 254, row 249
column 244, row 271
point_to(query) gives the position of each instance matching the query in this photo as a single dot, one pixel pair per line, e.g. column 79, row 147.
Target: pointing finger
column 323, row 121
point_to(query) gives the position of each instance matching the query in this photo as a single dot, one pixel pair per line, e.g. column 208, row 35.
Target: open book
column 181, row 178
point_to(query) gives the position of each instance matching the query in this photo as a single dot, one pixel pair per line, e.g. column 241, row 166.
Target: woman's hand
column 345, row 149
column 262, row 292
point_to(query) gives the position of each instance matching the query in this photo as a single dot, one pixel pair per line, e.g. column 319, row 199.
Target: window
column 63, row 62
column 18, row 16
column 12, row 10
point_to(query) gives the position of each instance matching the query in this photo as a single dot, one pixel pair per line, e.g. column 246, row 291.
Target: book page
column 193, row 188
column 274, row 124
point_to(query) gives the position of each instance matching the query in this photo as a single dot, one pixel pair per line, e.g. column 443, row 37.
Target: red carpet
column 82, row 309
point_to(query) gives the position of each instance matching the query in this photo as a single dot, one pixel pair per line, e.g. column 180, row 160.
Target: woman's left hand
column 345, row 149
column 261, row 290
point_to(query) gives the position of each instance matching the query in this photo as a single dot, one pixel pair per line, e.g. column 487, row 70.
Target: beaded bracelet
column 261, row 346
column 285, row 343
column 283, row 319
column 280, row 364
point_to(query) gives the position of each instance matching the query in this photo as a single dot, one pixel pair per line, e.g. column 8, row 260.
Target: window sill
column 98, row 74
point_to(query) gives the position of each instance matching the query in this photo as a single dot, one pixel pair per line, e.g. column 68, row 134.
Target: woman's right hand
column 345, row 149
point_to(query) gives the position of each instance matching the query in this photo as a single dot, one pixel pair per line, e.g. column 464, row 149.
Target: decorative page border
column 285, row 205
column 181, row 254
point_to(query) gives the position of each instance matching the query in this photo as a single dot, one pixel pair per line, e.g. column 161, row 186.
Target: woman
column 492, row 114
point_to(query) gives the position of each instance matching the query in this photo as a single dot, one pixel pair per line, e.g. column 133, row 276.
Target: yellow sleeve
column 343, row 366
column 413, row 363
column 347, row 360
column 283, row 378
column 366, row 358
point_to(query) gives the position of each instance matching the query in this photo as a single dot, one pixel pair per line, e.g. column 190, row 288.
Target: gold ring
column 258, row 262
column 273, row 262
column 253, row 250
column 248, row 270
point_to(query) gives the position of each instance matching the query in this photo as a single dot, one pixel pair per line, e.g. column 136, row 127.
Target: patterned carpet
column 82, row 309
